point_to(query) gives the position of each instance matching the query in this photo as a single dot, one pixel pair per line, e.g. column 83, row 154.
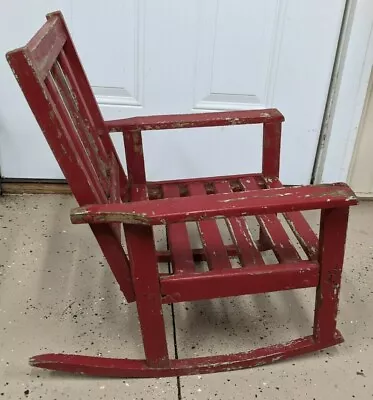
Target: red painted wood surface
column 138, row 192
column 247, row 249
column 62, row 126
column 199, row 120
column 300, row 227
column 333, row 228
column 273, row 231
column 134, row 156
column 112, row 249
column 198, row 254
column 178, row 239
column 240, row 281
column 213, row 246
column 46, row 45
column 114, row 193
column 271, row 149
column 126, row 368
column 74, row 71
column 83, row 118
column 206, row 180
column 255, row 202
column 84, row 92
column 55, row 85
column 64, row 99
column 144, row 268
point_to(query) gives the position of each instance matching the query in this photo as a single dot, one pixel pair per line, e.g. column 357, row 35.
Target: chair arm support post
column 271, row 149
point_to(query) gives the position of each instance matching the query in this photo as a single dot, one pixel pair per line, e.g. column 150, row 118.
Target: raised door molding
column 225, row 77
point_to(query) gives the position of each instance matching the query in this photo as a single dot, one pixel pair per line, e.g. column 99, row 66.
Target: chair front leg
column 333, row 228
column 144, row 269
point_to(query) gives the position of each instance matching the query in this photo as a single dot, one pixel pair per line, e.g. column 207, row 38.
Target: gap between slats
column 214, row 248
column 273, row 230
column 299, row 226
column 247, row 250
column 178, row 239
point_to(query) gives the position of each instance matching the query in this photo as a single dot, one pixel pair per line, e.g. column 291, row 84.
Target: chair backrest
column 56, row 87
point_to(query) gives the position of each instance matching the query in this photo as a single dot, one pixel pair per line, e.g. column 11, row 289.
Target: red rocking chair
column 56, row 87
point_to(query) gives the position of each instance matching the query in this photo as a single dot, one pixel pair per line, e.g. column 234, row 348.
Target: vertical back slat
column 75, row 143
column 84, row 86
column 81, row 105
column 100, row 162
column 90, row 102
column 54, row 130
column 53, row 81
column 114, row 194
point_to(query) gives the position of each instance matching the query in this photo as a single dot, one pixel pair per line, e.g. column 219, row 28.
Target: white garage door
column 166, row 56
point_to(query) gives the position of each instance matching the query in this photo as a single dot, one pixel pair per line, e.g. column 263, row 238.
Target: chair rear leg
column 333, row 230
column 144, row 270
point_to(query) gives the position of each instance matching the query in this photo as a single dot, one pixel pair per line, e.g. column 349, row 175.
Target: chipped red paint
column 247, row 250
column 239, row 281
column 116, row 367
column 66, row 136
column 52, row 78
column 200, row 120
column 195, row 208
column 333, row 227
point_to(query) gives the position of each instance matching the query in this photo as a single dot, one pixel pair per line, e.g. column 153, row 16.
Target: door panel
column 150, row 57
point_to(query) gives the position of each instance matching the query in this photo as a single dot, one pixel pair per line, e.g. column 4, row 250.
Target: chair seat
column 244, row 255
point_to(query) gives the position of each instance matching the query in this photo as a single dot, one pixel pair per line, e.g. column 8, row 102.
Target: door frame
column 339, row 136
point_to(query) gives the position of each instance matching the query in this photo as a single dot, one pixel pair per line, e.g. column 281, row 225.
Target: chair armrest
column 177, row 121
column 196, row 208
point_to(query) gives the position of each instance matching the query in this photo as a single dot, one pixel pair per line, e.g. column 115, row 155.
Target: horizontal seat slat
column 274, row 231
column 178, row 239
column 198, row 254
column 216, row 254
column 300, row 227
column 247, row 250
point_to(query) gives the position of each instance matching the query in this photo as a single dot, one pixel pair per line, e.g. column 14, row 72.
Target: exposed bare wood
column 157, row 122
column 255, row 202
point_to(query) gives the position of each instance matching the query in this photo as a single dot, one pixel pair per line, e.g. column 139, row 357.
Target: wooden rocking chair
column 55, row 85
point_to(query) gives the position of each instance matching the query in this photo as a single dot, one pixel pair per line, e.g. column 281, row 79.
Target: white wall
column 361, row 172
column 351, row 96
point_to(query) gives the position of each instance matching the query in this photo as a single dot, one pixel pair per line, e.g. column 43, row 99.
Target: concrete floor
column 57, row 294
